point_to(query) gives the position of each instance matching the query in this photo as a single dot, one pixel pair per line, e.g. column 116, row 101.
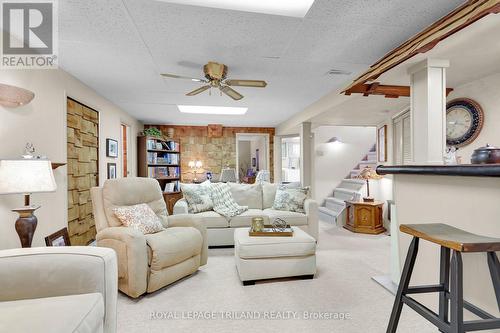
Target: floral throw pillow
column 140, row 217
column 197, row 197
column 291, row 199
column 223, row 200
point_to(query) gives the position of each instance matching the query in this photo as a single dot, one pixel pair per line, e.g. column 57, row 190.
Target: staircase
column 349, row 189
column 370, row 160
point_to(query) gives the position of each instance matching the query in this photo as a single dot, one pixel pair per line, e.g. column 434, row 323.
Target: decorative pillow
column 197, row 197
column 290, row 199
column 224, row 203
column 140, row 217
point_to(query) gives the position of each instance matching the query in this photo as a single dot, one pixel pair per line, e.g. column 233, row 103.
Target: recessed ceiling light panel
column 201, row 109
column 293, row 8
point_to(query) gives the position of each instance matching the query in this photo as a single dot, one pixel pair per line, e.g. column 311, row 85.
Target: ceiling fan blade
column 246, row 83
column 198, row 91
column 231, row 92
column 173, row 76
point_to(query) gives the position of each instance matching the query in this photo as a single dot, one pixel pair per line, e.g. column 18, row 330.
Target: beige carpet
column 342, row 287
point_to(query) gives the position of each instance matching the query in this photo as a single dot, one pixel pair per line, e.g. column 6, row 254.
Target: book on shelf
column 163, row 172
column 162, row 158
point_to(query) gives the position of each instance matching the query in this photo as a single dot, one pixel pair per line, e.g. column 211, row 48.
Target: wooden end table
column 364, row 217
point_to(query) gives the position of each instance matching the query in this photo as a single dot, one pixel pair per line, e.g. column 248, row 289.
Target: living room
column 175, row 153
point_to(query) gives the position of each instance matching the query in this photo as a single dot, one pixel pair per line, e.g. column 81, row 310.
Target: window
column 402, row 138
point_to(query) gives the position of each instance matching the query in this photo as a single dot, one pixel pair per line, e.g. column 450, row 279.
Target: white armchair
column 149, row 262
column 58, row 289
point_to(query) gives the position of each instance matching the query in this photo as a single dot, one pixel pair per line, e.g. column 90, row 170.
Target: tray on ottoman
column 268, row 231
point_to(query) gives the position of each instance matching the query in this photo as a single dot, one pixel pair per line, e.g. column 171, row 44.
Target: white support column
column 428, row 110
column 306, row 154
column 277, row 159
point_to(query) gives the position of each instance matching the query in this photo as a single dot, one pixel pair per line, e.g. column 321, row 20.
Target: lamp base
column 368, row 199
column 26, row 224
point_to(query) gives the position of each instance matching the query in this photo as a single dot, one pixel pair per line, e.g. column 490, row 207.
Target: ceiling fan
column 215, row 77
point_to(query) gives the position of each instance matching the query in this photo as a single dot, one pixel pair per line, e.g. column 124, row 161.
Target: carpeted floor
column 341, row 298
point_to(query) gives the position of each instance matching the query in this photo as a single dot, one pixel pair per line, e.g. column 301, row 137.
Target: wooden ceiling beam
column 389, row 91
column 455, row 21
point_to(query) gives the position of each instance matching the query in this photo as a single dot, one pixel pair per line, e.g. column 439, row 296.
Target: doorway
column 125, row 137
column 83, row 170
column 252, row 155
column 290, row 159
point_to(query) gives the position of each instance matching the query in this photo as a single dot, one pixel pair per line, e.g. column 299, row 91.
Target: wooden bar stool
column 450, row 290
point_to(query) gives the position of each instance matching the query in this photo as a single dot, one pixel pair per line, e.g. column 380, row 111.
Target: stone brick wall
column 214, row 152
column 82, row 133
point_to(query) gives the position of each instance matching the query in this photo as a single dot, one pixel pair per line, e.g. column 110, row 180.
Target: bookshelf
column 160, row 159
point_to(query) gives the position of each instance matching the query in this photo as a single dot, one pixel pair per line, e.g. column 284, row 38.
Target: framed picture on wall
column 111, row 170
column 382, row 143
column 58, row 238
column 111, row 148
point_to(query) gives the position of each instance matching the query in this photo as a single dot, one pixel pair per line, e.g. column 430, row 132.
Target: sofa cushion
column 173, row 245
column 224, row 203
column 292, row 218
column 132, row 191
column 62, row 314
column 197, row 197
column 268, row 194
column 213, row 220
column 245, row 219
column 139, row 217
column 290, row 199
column 247, row 195
column 246, row 247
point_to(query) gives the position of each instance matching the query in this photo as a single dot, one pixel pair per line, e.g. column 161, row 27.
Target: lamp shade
column 369, row 173
column 191, row 164
column 26, row 176
column 228, row 175
column 198, row 164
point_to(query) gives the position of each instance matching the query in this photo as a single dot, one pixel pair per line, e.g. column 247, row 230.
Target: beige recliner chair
column 147, row 263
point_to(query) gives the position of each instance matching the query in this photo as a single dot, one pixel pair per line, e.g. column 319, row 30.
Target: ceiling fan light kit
column 215, row 77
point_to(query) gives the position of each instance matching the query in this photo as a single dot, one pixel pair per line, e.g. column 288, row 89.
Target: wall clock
column 464, row 121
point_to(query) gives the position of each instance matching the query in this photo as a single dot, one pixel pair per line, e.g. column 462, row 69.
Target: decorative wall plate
column 464, row 121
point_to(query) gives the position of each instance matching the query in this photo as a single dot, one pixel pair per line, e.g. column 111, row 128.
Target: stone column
column 306, row 154
column 428, row 110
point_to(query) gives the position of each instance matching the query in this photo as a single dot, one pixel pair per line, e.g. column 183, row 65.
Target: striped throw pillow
column 223, row 201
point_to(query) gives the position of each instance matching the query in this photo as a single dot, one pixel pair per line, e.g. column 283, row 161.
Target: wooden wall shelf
column 468, row 170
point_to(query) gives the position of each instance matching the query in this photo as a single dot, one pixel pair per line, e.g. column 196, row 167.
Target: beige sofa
column 259, row 198
column 58, row 289
column 147, row 263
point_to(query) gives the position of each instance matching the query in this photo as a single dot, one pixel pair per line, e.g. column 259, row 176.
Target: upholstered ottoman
column 260, row 258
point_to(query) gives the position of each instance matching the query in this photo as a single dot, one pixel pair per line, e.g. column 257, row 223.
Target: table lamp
column 26, row 176
column 368, row 173
column 195, row 165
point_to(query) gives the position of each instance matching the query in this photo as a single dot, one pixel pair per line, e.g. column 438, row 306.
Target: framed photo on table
column 58, row 238
column 382, row 144
column 111, row 148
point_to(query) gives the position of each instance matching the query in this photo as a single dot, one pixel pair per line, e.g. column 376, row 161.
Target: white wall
column 43, row 122
column 244, row 156
column 334, row 161
column 486, row 92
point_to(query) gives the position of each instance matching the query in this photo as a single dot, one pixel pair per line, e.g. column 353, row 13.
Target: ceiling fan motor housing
column 215, row 71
